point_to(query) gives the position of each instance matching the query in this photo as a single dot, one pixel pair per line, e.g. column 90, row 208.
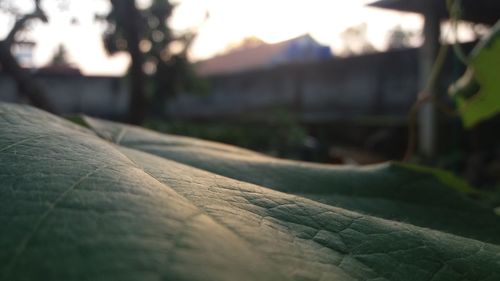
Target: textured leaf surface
column 402, row 192
column 74, row 206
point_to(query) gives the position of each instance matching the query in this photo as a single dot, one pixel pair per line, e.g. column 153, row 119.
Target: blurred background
column 353, row 82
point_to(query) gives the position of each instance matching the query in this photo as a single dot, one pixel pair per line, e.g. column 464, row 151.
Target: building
column 260, row 56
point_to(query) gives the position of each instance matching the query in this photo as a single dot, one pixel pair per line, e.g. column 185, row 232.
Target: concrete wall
column 92, row 95
column 382, row 84
column 379, row 84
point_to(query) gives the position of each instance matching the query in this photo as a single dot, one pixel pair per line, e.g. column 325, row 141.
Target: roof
column 478, row 11
column 255, row 57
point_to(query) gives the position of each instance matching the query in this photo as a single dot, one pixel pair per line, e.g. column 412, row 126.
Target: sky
column 229, row 21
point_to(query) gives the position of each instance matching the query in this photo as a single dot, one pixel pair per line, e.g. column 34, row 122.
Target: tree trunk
column 130, row 21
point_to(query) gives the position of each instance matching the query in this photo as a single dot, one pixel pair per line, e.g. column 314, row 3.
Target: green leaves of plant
column 114, row 202
column 478, row 91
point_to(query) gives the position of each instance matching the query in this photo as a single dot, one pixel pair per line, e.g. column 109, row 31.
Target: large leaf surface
column 392, row 191
column 74, row 206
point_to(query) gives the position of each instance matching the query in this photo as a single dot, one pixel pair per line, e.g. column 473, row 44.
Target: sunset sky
column 229, row 22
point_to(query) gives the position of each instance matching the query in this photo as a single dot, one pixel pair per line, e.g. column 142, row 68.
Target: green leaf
column 395, row 191
column 146, row 206
column 444, row 176
column 478, row 91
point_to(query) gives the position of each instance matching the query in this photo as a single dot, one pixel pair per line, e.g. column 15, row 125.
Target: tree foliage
column 60, row 57
column 27, row 86
column 356, row 41
column 400, row 38
column 159, row 56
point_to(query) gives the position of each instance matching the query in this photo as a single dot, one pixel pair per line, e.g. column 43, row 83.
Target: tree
column 400, row 38
column 158, row 57
column 123, row 34
column 26, row 84
column 248, row 42
column 355, row 40
column 60, row 57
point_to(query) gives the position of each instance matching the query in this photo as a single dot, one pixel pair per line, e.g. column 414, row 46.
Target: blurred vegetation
column 60, row 57
column 400, row 38
column 355, row 39
column 477, row 93
column 28, row 87
column 469, row 120
column 159, row 66
column 282, row 135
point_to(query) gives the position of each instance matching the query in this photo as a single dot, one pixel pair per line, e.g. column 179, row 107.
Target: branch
column 20, row 23
column 187, row 40
column 26, row 84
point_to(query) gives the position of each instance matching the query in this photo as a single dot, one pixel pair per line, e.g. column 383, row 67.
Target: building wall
column 382, row 84
column 70, row 94
column 372, row 85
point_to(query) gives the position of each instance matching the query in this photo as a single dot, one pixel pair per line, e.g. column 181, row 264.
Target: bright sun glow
column 229, row 21
column 277, row 20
